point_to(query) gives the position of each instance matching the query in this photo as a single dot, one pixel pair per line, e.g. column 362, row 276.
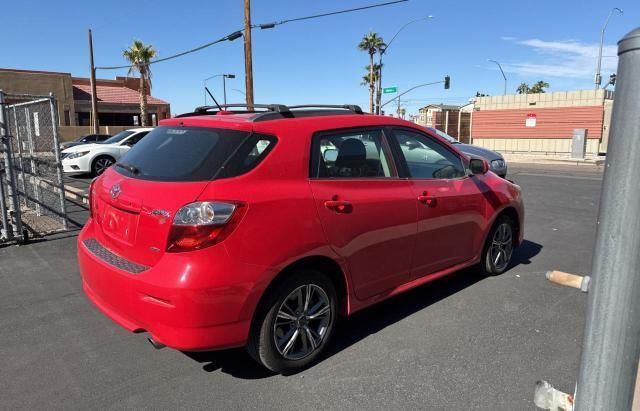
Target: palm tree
column 140, row 56
column 365, row 79
column 523, row 88
column 371, row 43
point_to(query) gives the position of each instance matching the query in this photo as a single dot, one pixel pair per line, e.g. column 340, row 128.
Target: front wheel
column 498, row 249
column 295, row 323
column 100, row 164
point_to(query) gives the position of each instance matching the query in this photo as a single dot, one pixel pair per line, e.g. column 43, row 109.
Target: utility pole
column 248, row 65
column 611, row 344
column 94, row 93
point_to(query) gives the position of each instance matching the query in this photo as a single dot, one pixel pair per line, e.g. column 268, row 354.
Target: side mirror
column 478, row 166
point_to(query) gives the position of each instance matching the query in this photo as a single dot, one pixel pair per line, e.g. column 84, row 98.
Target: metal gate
column 32, row 196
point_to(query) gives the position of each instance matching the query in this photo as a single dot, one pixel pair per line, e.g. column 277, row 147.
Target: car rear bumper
column 184, row 315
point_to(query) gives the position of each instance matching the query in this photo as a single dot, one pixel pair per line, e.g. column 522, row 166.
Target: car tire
column 499, row 246
column 100, row 164
column 283, row 329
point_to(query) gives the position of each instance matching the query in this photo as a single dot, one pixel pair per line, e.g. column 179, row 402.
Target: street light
column 598, row 78
column 503, row 76
column 224, row 85
column 384, row 50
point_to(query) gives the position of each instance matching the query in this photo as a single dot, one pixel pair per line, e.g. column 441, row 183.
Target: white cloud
column 563, row 58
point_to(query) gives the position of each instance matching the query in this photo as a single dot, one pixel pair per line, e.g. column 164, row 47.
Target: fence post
column 21, row 177
column 611, row 345
column 5, row 140
column 33, row 181
column 4, row 232
column 56, row 149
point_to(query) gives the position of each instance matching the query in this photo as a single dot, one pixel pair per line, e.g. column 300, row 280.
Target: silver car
column 497, row 163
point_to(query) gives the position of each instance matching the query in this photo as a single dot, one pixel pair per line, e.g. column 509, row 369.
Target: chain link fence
column 32, row 186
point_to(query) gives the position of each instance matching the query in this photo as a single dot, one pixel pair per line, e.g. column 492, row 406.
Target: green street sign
column 389, row 90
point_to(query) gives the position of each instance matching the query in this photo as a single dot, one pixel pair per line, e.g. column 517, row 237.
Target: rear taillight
column 203, row 224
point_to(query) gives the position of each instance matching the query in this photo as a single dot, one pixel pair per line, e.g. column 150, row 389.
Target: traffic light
column 447, row 81
column 612, row 79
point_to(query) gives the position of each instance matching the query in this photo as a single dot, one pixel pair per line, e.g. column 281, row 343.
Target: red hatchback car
column 261, row 228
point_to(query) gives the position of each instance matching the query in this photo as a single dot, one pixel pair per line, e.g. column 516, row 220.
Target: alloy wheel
column 501, row 247
column 302, row 322
column 102, row 164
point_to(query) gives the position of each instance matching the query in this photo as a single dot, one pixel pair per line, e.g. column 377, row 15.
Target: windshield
column 118, row 137
column 193, row 154
column 444, row 135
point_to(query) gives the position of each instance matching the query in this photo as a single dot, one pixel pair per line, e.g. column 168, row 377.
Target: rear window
column 194, row 154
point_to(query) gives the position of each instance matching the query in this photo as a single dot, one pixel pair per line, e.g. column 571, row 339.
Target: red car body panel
column 387, row 243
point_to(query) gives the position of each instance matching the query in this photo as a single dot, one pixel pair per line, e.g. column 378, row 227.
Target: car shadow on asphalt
column 238, row 363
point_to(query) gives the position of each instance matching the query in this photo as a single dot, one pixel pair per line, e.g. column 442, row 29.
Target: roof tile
column 112, row 94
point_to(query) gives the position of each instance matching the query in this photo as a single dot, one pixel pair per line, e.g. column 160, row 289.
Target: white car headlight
column 77, row 154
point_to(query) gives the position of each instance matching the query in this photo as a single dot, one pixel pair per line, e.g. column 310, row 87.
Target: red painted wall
column 550, row 122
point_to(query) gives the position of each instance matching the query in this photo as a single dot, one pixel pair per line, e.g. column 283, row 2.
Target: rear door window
column 194, row 154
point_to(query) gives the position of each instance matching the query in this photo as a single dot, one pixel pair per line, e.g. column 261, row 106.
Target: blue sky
column 317, row 60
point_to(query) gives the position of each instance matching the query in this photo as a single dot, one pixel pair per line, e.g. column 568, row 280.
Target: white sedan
column 95, row 158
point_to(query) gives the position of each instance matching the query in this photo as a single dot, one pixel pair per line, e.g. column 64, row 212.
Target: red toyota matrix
column 260, row 228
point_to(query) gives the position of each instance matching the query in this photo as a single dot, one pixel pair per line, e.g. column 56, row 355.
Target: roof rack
column 351, row 107
column 272, row 111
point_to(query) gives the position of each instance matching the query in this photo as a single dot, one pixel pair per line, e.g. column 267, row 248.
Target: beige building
column 542, row 123
column 453, row 120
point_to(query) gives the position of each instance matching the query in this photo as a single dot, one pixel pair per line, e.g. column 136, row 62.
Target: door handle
column 339, row 206
column 425, row 198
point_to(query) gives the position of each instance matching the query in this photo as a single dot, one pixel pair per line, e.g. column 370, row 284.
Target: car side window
column 426, row 158
column 351, row 154
column 133, row 140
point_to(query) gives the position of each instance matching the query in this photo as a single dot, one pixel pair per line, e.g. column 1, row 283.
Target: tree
column 371, row 43
column 539, row 87
column 523, row 88
column 376, row 71
column 479, row 94
column 139, row 55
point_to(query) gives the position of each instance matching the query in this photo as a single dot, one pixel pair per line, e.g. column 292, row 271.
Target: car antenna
column 214, row 99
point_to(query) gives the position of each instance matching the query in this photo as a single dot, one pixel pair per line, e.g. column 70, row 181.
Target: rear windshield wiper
column 128, row 167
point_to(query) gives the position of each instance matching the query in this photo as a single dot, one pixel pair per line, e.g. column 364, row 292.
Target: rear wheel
column 498, row 249
column 295, row 322
column 100, row 164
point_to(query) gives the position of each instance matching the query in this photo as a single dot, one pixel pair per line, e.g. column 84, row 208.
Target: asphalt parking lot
column 463, row 342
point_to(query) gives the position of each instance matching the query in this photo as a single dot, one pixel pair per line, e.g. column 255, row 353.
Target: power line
column 238, row 33
column 229, row 37
column 270, row 25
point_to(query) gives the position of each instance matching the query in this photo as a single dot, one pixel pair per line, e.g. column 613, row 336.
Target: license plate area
column 120, row 224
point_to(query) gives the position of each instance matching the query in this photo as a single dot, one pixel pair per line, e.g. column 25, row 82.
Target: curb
column 74, row 193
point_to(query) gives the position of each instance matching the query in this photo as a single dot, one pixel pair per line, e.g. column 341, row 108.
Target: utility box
column 579, row 143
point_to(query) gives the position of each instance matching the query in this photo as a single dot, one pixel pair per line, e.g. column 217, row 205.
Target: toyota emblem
column 115, row 191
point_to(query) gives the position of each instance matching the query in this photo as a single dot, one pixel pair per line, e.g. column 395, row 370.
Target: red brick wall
column 550, row 122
